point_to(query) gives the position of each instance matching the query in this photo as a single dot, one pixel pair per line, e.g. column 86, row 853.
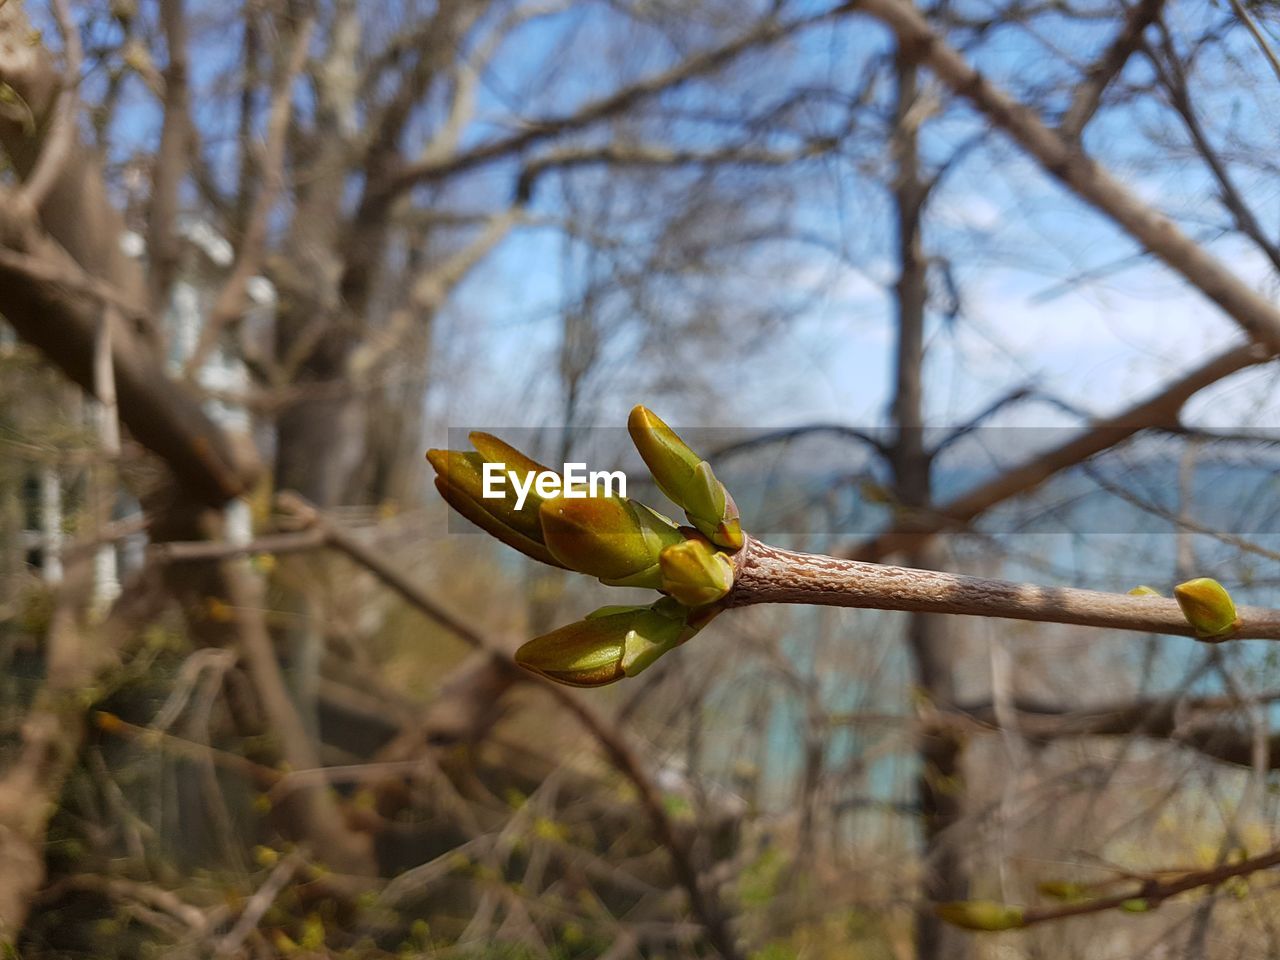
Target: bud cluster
column 619, row 541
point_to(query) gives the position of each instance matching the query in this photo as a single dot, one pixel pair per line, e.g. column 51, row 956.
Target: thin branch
column 703, row 902
column 1160, row 409
column 1092, row 183
column 57, row 144
column 171, row 161
column 229, row 304
column 1088, row 95
column 1259, row 37
column 1174, row 79
column 204, row 550
column 261, row 902
column 768, row 574
column 793, row 433
column 658, row 155
column 762, row 34
column 1153, row 892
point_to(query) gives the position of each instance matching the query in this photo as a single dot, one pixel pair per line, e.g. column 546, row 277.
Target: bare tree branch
column 1160, row 409
column 1088, row 95
column 768, row 574
column 1089, row 181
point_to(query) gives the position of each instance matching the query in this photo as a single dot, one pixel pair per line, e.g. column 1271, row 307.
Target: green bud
column 686, row 478
column 493, row 450
column 663, row 627
column 617, row 540
column 695, row 573
column 583, row 654
column 1135, row 905
column 611, row 643
column 1208, row 607
column 980, row 915
column 459, row 479
column 1144, row 591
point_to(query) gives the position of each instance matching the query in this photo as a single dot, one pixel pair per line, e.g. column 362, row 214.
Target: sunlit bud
column 686, row 478
column 609, row 644
column 458, row 479
column 493, row 450
column 617, row 540
column 980, row 914
column 583, row 654
column 661, row 628
column 695, row 572
column 1135, row 905
column 465, row 473
column 1207, row 606
column 1144, row 591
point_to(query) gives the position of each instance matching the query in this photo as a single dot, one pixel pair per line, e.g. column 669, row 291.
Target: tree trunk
column 940, row 786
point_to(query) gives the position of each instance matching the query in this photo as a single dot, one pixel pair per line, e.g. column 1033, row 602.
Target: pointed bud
column 686, row 478
column 459, row 479
column 1135, row 905
column 1144, row 591
column 493, row 450
column 609, row 644
column 617, row 540
column 695, row 572
column 1208, row 607
column 583, row 654
column 980, row 915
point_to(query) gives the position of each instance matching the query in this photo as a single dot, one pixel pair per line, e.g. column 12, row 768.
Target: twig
column 230, row 302
column 261, row 902
column 1154, row 892
column 199, row 550
column 58, row 142
column 768, row 574
column 1259, row 37
column 1063, row 159
column 702, row 903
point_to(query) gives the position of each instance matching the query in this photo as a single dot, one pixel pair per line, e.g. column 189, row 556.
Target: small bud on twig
column 1208, row 607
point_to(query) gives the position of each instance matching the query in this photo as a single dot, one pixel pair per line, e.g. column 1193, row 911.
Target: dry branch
column 1067, row 162
column 768, row 574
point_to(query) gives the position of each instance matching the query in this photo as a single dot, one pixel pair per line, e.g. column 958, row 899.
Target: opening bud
column 617, row 540
column 460, row 480
column 695, row 573
column 1208, row 607
column 611, row 643
column 686, row 478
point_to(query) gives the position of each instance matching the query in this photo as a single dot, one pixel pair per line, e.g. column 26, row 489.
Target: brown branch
column 63, row 324
column 1179, row 720
column 1088, row 95
column 229, row 304
column 51, row 734
column 762, row 34
column 1160, row 409
column 1154, row 891
column 768, row 574
column 1092, row 183
column 703, row 902
column 1259, row 37
column 163, row 243
column 317, row 810
column 200, row 550
column 56, row 147
column 656, row 155
column 1174, row 79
